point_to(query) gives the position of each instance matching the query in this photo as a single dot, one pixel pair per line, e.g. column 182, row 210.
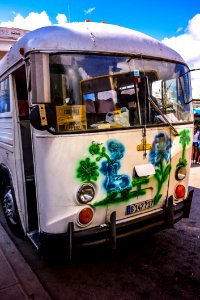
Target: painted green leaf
column 157, row 198
column 157, row 175
column 166, row 172
column 125, row 193
column 182, row 162
column 140, row 181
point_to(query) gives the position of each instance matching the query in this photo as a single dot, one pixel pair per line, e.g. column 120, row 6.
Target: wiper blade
column 175, row 132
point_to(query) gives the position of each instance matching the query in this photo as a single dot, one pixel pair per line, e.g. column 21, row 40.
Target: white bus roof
column 88, row 37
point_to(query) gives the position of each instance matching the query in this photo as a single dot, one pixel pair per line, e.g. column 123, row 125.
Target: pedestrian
column 195, row 144
column 198, row 155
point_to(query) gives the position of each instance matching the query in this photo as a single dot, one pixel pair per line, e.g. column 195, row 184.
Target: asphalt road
column 165, row 265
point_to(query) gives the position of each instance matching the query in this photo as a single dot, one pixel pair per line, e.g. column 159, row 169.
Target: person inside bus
column 152, row 114
column 89, row 102
column 128, row 99
column 104, row 104
column 143, row 100
column 23, row 109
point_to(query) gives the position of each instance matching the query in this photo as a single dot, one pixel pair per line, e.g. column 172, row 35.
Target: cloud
column 33, row 21
column 188, row 43
column 61, row 18
column 89, row 11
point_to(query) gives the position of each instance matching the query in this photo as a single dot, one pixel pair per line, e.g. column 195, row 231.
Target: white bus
column 96, row 133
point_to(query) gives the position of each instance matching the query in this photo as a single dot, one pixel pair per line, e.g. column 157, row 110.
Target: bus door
column 26, row 145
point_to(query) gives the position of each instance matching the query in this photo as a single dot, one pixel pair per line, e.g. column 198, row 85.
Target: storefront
column 8, row 36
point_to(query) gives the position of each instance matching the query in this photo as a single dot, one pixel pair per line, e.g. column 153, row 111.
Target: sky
column 174, row 22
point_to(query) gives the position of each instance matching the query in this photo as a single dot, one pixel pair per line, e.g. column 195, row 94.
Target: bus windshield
column 102, row 91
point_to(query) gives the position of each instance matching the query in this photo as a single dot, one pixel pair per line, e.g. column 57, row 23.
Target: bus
column 96, row 127
column 196, row 109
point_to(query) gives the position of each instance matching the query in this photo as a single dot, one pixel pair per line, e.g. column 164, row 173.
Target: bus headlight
column 86, row 193
column 180, row 173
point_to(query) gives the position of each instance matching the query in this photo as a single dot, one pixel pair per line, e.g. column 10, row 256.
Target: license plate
column 137, row 207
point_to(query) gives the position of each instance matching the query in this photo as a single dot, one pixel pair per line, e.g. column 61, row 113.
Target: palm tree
column 184, row 141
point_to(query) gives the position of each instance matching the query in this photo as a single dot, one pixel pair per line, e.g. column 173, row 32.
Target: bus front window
column 170, row 97
column 104, row 91
column 110, row 100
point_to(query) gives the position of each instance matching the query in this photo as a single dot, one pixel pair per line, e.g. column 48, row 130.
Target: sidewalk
column 17, row 280
column 194, row 176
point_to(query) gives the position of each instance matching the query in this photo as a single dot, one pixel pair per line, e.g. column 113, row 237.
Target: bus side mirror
column 40, row 78
column 36, row 120
column 195, row 84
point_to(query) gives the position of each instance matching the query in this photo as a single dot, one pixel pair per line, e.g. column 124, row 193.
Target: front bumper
column 151, row 222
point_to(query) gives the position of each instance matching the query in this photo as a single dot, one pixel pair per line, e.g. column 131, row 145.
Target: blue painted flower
column 114, row 181
column 160, row 149
column 116, row 150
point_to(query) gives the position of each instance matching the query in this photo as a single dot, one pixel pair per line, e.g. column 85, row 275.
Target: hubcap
column 9, row 208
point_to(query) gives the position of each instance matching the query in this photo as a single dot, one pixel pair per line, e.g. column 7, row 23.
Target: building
column 8, row 36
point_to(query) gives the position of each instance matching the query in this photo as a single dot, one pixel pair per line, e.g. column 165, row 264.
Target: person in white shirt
column 196, row 137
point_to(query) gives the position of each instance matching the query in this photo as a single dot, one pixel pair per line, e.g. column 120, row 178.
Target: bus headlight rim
column 86, row 193
column 181, row 173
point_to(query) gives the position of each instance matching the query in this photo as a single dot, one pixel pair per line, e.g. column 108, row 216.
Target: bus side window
column 4, row 96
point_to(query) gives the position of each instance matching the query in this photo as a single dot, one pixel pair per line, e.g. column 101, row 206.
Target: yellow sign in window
column 71, row 117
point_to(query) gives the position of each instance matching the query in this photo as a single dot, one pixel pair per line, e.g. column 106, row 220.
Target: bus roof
column 88, row 37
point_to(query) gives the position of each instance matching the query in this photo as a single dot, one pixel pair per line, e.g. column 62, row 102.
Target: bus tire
column 10, row 210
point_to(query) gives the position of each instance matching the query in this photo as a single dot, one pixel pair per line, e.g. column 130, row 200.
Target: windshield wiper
column 175, row 132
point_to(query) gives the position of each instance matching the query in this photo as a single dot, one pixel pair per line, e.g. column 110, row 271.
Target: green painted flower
column 87, row 170
column 99, row 151
column 94, row 148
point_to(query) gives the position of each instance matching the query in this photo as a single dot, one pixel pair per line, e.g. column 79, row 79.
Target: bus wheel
column 10, row 211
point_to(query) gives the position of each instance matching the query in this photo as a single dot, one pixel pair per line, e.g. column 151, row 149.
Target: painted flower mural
column 106, row 160
column 160, row 156
column 184, row 141
column 119, row 187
